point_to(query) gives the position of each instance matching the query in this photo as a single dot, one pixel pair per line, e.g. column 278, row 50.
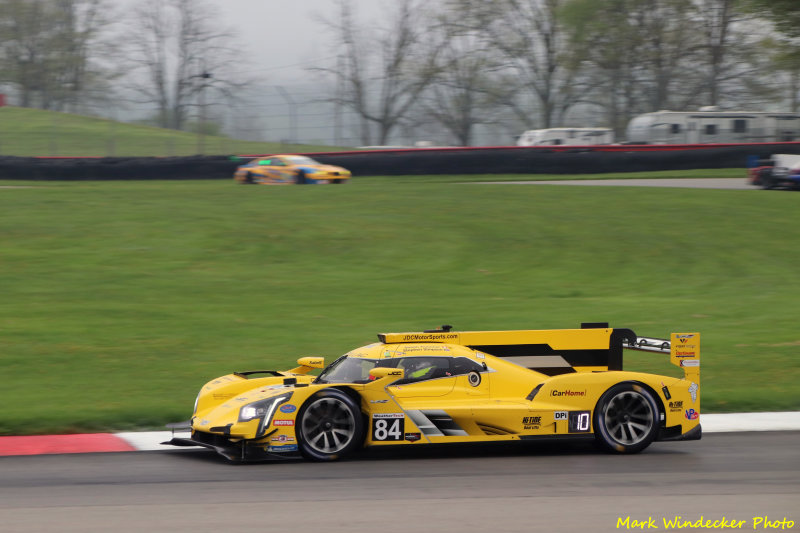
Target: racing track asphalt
column 500, row 489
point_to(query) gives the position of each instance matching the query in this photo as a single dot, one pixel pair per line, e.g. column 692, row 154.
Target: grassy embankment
column 35, row 132
column 119, row 300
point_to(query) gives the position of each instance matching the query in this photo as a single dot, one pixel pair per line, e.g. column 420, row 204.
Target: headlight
column 263, row 409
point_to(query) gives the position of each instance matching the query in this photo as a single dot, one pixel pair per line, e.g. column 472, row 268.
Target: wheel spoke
column 628, row 417
column 328, row 425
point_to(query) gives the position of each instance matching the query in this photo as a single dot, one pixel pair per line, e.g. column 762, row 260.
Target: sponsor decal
column 288, row 408
column 205, row 422
column 531, row 422
column 479, row 355
column 283, row 448
column 388, row 415
column 665, row 391
column 413, row 437
column 690, row 362
column 684, row 354
column 429, row 336
column 580, row 421
column 560, row 415
column 693, row 391
column 691, row 414
column 283, row 422
column 395, row 373
column 282, row 438
column 426, row 348
column 568, row 393
column 222, row 396
column 378, row 401
column 387, row 354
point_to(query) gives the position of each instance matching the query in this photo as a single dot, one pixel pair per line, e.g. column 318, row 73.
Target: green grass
column 35, row 132
column 120, row 299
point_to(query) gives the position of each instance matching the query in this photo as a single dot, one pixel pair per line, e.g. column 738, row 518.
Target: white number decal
column 583, row 422
column 387, row 428
column 580, row 421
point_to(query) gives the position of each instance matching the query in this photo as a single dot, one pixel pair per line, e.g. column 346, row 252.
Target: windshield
column 347, row 370
column 300, row 160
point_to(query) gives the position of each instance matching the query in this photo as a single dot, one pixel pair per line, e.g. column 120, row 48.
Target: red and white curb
column 152, row 440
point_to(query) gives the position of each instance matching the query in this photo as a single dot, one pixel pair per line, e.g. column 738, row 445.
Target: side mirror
column 307, row 364
column 312, row 362
column 384, row 372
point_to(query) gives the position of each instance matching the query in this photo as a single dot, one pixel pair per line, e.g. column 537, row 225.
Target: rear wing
column 683, row 350
column 592, row 348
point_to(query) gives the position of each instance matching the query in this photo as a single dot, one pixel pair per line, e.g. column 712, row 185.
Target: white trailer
column 711, row 126
column 566, row 136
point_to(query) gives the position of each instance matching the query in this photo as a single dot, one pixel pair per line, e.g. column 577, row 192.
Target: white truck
column 566, row 136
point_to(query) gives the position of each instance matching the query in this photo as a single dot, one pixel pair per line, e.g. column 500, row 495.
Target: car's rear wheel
column 626, row 418
column 300, row 178
column 248, row 178
column 329, row 426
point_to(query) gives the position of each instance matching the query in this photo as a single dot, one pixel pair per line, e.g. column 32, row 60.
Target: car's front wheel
column 329, row 426
column 626, row 418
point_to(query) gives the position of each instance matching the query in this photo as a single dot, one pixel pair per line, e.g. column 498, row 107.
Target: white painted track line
column 712, row 423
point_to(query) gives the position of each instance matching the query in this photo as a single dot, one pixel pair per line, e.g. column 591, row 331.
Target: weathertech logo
column 568, row 393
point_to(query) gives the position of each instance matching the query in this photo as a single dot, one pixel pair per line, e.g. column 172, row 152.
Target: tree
column 50, row 51
column 529, row 35
column 178, row 55
column 783, row 47
column 380, row 74
column 784, row 14
column 604, row 39
column 461, row 94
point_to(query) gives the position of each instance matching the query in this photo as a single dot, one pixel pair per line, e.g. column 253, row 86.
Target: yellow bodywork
column 289, row 169
column 455, row 387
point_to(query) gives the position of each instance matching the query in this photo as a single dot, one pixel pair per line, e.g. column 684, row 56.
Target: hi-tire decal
column 388, row 426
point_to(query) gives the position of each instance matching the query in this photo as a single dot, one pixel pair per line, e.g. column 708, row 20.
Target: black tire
column 300, row 178
column 626, row 418
column 329, row 426
column 248, row 179
column 338, row 181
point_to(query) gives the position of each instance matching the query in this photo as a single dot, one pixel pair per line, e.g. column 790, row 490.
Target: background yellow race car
column 442, row 386
column 287, row 169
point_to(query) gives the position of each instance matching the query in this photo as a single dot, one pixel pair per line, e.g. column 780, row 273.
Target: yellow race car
column 443, row 386
column 289, row 169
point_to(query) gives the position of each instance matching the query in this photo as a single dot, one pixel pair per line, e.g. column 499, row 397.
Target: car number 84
column 388, row 426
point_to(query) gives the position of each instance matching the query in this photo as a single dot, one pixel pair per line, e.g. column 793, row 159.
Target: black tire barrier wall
column 503, row 160
column 548, row 161
column 117, row 168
